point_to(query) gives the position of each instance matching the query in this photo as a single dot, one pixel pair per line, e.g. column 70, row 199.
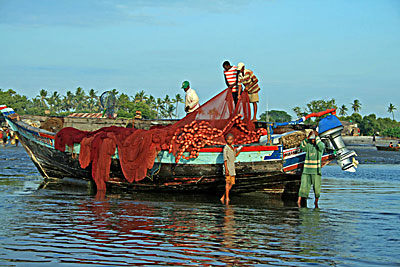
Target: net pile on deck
column 137, row 148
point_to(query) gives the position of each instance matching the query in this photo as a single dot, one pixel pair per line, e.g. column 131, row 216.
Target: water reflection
column 69, row 227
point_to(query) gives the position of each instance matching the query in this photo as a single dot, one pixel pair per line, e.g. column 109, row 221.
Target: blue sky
column 300, row 50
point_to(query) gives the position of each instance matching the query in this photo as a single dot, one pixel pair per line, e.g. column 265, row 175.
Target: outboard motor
column 330, row 128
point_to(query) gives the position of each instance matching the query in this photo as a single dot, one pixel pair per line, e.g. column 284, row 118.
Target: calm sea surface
column 357, row 224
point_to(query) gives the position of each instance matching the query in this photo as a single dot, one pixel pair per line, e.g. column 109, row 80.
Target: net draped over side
column 137, row 148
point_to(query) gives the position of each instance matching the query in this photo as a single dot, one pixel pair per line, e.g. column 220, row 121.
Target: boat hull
column 258, row 168
column 387, row 148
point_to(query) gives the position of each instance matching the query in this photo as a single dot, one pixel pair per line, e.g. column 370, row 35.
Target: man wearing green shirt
column 314, row 148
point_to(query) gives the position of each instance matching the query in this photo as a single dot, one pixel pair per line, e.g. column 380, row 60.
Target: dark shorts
column 4, row 140
column 235, row 97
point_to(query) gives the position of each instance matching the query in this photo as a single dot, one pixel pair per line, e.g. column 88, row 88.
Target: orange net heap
column 137, row 148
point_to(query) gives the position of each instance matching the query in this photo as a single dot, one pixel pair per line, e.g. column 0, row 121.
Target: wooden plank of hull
column 251, row 176
column 52, row 163
column 387, row 148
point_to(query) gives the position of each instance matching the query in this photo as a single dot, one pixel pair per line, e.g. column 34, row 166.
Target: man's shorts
column 230, row 179
column 254, row 98
column 235, row 96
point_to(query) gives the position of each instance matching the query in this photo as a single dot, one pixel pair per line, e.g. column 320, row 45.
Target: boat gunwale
column 253, row 147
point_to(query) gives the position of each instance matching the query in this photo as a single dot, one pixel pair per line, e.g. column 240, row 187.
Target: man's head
column 241, row 67
column 311, row 137
column 226, row 65
column 229, row 138
column 185, row 85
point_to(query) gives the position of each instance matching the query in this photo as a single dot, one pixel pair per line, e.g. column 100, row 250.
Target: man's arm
column 303, row 145
column 320, row 144
column 226, row 168
column 254, row 80
column 239, row 86
column 226, row 81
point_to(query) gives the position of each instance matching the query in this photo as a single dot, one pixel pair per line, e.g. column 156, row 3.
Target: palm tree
column 298, row 112
column 165, row 106
column 159, row 104
column 140, row 96
column 151, row 101
column 54, row 101
column 93, row 99
column 68, row 100
column 343, row 110
column 178, row 99
column 123, row 102
column 169, row 111
column 391, row 109
column 80, row 99
column 115, row 92
column 42, row 96
column 356, row 105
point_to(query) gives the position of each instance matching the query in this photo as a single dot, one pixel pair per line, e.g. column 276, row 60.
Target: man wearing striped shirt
column 232, row 80
column 250, row 84
column 314, row 148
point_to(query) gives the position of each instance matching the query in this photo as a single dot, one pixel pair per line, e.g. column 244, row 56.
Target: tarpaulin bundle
column 137, row 148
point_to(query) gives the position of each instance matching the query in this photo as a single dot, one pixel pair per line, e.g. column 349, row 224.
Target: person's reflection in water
column 229, row 236
column 314, row 237
column 100, row 195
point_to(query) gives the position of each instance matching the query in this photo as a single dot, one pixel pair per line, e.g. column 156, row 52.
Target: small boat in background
column 388, row 148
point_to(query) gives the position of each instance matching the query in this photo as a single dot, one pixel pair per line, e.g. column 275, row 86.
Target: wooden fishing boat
column 259, row 166
column 388, row 148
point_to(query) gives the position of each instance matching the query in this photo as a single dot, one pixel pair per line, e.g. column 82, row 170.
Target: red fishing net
column 137, row 149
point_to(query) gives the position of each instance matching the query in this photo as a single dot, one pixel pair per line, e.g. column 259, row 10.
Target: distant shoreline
column 368, row 140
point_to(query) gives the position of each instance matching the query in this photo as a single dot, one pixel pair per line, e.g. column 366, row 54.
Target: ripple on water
column 356, row 225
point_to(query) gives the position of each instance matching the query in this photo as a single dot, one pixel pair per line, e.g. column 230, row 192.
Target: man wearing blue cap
column 191, row 98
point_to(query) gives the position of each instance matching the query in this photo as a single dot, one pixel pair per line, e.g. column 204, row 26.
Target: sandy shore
column 368, row 140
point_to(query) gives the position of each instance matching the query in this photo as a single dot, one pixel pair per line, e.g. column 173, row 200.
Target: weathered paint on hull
column 270, row 168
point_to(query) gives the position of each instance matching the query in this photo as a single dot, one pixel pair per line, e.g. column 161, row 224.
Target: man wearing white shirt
column 191, row 98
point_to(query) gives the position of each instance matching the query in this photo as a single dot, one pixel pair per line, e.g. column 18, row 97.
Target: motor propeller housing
column 330, row 129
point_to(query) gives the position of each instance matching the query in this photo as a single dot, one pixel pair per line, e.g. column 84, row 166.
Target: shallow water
column 357, row 224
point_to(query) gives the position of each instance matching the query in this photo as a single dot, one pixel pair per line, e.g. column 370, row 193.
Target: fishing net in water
column 137, row 148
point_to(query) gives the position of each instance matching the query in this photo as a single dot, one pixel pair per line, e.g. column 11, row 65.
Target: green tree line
column 368, row 125
column 167, row 107
column 53, row 103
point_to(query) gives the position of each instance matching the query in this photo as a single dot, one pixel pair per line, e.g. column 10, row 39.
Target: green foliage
column 313, row 107
column 355, row 118
column 19, row 103
column 392, row 132
column 79, row 101
column 368, row 125
column 391, row 109
column 356, row 105
column 276, row 116
column 343, row 110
